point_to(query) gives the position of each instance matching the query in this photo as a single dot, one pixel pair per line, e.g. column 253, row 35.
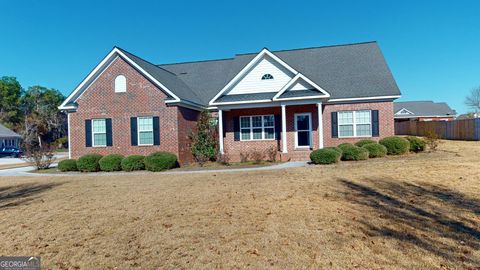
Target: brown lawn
column 420, row 211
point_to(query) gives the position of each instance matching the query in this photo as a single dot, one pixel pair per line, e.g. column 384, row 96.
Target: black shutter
column 156, row 130
column 108, row 124
column 375, row 124
column 278, row 126
column 133, row 130
column 236, row 128
column 334, row 125
column 88, row 133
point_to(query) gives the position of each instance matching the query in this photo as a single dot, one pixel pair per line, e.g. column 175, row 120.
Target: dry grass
column 414, row 212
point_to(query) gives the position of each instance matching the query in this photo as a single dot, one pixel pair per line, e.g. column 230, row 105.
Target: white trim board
column 295, row 79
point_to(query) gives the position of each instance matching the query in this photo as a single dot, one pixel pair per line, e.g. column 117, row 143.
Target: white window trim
column 309, row 130
column 93, row 133
column 354, row 123
column 138, row 131
column 251, row 128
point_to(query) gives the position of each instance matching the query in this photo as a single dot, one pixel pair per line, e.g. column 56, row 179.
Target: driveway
column 10, row 160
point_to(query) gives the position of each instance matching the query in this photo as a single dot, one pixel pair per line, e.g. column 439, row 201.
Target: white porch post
column 68, row 134
column 320, row 125
column 220, row 130
column 284, row 129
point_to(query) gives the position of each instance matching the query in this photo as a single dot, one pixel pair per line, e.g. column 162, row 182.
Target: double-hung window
column 259, row 127
column 99, row 132
column 145, row 130
column 355, row 123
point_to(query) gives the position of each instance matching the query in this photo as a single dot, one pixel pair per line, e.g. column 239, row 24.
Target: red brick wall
column 234, row 148
column 187, row 123
column 141, row 99
column 385, row 114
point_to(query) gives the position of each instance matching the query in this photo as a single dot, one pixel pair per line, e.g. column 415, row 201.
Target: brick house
column 291, row 101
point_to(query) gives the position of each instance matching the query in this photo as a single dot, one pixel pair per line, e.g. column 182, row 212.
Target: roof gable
column 268, row 59
column 164, row 79
column 300, row 87
column 6, row 132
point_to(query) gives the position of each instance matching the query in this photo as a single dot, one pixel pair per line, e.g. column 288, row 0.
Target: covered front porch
column 292, row 129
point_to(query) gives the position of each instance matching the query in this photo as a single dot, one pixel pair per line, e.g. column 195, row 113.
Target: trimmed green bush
column 344, row 145
column 325, row 156
column 160, row 161
column 68, row 165
column 416, row 144
column 354, row 152
column 133, row 163
column 364, row 142
column 335, row 149
column 89, row 163
column 375, row 150
column 111, row 163
column 395, row 145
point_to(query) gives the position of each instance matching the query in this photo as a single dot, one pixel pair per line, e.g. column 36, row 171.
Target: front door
column 303, row 130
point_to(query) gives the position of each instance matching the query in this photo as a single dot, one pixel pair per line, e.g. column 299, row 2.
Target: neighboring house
column 423, row 111
column 468, row 116
column 290, row 100
column 8, row 137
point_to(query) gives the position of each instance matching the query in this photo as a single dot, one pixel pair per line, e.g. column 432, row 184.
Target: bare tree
column 473, row 100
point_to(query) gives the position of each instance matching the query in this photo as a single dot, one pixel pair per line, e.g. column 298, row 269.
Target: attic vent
column 267, row 77
column 183, row 73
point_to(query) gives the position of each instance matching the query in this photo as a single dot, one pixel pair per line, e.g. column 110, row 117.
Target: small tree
column 473, row 100
column 204, row 139
column 39, row 156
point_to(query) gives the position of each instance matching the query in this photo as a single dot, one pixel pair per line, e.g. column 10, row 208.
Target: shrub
column 133, row 163
column 344, row 145
column 111, row 163
column 271, row 153
column 335, row 149
column 395, row 145
column 223, row 159
column 257, row 156
column 160, row 161
column 416, row 144
column 89, row 163
column 325, row 156
column 354, row 152
column 68, row 165
column 364, row 142
column 39, row 156
column 204, row 139
column 375, row 150
column 244, row 156
column 431, row 139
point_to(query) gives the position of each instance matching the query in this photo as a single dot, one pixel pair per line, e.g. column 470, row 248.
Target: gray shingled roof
column 424, row 108
column 167, row 78
column 345, row 71
column 7, row 133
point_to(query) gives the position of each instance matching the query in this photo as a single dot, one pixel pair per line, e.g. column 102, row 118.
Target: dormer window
column 267, row 77
column 120, row 84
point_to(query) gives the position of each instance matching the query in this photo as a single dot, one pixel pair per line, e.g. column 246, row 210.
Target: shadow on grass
column 436, row 219
column 11, row 196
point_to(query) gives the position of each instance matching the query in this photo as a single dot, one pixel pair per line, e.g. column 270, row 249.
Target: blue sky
column 432, row 47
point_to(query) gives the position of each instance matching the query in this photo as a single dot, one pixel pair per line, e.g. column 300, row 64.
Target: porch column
column 284, row 129
column 220, row 130
column 320, row 125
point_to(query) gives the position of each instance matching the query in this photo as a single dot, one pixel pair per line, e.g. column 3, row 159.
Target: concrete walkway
column 26, row 171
